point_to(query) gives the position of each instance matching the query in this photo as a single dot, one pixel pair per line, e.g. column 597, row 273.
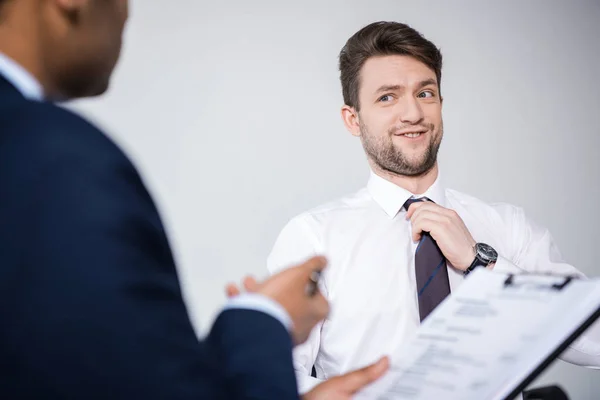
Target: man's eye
column 385, row 98
column 426, row 94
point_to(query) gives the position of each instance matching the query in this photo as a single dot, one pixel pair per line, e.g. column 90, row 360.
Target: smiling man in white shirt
column 391, row 261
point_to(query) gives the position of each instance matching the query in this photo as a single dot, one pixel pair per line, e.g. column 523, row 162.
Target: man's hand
column 288, row 288
column 343, row 387
column 448, row 230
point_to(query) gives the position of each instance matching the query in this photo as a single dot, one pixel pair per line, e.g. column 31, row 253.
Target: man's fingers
column 428, row 205
column 424, row 205
column 426, row 208
column 250, row 284
column 232, row 290
column 422, row 225
column 356, row 380
column 316, row 263
column 309, row 274
column 378, row 369
column 413, row 207
column 322, row 306
column 431, row 215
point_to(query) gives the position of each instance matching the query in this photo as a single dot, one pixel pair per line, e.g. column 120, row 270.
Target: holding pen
column 304, row 311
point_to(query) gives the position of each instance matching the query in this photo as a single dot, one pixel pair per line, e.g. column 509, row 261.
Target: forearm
column 255, row 353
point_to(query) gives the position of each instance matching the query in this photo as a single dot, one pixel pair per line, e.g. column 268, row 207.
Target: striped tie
column 430, row 271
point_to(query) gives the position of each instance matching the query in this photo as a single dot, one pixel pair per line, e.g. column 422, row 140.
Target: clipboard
column 510, row 281
column 468, row 349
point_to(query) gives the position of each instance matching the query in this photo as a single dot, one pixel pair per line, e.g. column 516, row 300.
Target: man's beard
column 383, row 152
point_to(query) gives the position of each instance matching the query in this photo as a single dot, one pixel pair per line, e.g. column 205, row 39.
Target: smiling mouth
column 411, row 135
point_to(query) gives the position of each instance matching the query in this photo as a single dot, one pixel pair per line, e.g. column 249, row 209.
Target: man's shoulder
column 32, row 114
column 43, row 145
column 302, row 234
column 331, row 214
column 40, row 133
column 345, row 204
column 462, row 201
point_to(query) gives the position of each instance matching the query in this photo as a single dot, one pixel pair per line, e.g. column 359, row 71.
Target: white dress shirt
column 370, row 279
column 20, row 78
column 31, row 89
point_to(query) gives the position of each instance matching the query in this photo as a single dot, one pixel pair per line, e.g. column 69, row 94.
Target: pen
column 313, row 284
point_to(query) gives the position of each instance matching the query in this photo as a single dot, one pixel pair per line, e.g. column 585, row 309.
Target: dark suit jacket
column 90, row 303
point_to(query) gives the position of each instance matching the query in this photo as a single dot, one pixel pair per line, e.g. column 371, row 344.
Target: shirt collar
column 20, row 78
column 392, row 197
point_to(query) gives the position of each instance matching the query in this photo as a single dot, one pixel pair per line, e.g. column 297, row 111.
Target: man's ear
column 71, row 6
column 351, row 120
column 72, row 9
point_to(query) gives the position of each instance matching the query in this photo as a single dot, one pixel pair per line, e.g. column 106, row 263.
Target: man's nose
column 410, row 111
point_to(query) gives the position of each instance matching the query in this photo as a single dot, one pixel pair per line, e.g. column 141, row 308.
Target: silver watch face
column 486, row 252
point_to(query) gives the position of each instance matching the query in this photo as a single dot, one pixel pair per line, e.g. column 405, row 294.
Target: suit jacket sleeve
column 96, row 306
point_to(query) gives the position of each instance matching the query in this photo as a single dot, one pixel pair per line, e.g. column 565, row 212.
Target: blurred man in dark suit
column 91, row 303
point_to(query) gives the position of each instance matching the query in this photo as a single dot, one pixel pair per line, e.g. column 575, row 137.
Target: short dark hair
column 381, row 39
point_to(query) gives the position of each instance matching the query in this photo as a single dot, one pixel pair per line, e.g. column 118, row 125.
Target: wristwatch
column 484, row 256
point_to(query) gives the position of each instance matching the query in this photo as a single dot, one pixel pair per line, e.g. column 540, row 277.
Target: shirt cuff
column 503, row 265
column 585, row 350
column 258, row 302
column 583, row 353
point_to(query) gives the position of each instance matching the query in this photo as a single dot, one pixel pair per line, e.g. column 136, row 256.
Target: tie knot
column 413, row 200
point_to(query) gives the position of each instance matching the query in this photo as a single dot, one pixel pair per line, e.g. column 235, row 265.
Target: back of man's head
column 71, row 47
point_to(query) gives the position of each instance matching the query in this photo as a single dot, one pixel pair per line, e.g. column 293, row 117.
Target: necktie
column 430, row 271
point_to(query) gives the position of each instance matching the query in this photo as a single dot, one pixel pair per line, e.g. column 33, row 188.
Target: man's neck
column 18, row 43
column 415, row 184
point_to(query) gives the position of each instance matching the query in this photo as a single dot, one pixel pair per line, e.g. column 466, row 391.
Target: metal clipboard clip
column 510, row 282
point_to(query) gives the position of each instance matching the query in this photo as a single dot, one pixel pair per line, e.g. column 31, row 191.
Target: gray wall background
column 231, row 111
